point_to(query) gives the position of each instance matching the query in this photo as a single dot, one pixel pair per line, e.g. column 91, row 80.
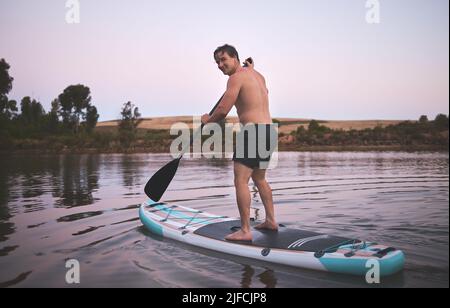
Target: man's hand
column 205, row 118
column 249, row 63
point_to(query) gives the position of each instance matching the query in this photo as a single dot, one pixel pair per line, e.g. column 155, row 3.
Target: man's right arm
column 229, row 99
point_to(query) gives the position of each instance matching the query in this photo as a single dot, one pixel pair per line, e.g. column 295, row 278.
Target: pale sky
column 321, row 59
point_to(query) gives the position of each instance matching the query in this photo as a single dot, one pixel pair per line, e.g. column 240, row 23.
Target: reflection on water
column 53, row 208
column 266, row 278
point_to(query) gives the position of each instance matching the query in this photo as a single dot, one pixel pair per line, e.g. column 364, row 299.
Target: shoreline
column 283, row 148
column 428, row 136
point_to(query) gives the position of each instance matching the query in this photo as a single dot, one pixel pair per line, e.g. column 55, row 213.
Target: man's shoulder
column 245, row 73
column 259, row 74
column 238, row 76
column 252, row 71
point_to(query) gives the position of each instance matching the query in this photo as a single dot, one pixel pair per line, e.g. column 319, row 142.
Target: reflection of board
column 286, row 246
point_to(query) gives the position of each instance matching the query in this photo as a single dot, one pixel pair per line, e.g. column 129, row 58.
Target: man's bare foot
column 239, row 236
column 267, row 226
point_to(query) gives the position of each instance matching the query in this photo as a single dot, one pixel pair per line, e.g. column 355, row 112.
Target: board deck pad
column 284, row 238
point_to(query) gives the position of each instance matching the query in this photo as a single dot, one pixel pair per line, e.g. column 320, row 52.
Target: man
column 246, row 89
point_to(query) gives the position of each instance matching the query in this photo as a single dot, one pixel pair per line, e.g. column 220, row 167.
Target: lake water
column 85, row 207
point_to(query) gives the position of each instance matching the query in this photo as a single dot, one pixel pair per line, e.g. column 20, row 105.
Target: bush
column 441, row 122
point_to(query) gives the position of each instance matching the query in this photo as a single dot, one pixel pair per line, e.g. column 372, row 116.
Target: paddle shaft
column 199, row 130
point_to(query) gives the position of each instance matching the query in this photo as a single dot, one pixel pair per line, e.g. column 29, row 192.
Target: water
column 84, row 207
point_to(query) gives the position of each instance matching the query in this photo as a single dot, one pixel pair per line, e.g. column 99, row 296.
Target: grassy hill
column 286, row 125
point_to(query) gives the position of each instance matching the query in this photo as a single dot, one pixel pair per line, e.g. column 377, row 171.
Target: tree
column 129, row 123
column 91, row 118
column 31, row 111
column 8, row 111
column 423, row 119
column 52, row 119
column 5, row 79
column 73, row 102
column 7, row 108
column 313, row 125
column 55, row 105
column 441, row 122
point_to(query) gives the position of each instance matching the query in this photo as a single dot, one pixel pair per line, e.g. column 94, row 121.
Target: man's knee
column 258, row 180
column 239, row 181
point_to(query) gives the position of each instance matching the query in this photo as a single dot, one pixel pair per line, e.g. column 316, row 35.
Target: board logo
column 300, row 242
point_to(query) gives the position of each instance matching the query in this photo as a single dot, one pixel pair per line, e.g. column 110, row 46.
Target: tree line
column 407, row 133
column 72, row 113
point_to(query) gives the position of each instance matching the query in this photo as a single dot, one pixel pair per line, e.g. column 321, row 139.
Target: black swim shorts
column 253, row 145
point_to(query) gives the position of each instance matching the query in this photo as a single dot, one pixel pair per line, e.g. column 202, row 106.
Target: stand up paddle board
column 287, row 246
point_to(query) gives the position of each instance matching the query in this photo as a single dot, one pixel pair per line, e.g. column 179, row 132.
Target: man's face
column 225, row 63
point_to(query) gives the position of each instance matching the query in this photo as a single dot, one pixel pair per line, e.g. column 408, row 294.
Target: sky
column 321, row 58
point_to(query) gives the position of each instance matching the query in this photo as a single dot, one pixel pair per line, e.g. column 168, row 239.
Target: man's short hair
column 230, row 50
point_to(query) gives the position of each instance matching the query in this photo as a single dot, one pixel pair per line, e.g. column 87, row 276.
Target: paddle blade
column 159, row 182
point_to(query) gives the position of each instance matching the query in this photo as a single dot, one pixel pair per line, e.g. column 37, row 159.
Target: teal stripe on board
column 388, row 266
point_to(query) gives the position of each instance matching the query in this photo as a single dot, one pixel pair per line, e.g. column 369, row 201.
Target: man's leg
column 242, row 175
column 265, row 191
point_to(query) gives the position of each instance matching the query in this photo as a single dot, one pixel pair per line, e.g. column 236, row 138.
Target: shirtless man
column 246, row 89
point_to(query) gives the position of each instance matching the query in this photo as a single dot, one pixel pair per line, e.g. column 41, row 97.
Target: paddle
column 159, row 182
